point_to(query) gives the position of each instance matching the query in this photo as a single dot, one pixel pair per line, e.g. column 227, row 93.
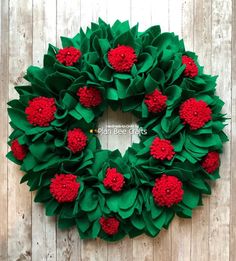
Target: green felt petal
column 89, row 201
column 128, row 198
column 191, row 197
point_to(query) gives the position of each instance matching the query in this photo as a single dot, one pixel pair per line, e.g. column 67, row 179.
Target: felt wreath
column 103, row 193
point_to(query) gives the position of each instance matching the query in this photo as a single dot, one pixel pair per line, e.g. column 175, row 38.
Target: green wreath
column 103, row 193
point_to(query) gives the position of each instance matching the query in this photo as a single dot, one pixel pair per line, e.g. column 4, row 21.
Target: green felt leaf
column 65, row 223
column 11, row 157
column 58, row 82
column 105, row 75
column 29, row 162
column 66, row 42
column 160, row 221
column 137, row 221
column 96, row 229
column 145, row 62
column 51, row 207
column 126, row 213
column 112, row 94
column 40, row 151
column 82, row 223
column 191, row 197
column 128, row 198
column 104, row 45
column 113, row 202
column 86, row 113
column 43, row 194
column 75, row 114
column 69, row 101
column 19, row 118
column 90, row 200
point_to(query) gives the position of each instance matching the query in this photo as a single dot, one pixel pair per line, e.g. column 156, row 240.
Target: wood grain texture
column 19, row 198
column 4, row 51
column 209, row 28
column 202, row 37
column 44, row 31
column 233, row 141
column 221, row 65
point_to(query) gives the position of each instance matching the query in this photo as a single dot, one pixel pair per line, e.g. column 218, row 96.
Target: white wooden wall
column 209, row 28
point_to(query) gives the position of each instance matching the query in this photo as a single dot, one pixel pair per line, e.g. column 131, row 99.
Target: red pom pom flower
column 109, row 225
column 114, row 180
column 195, row 113
column 167, row 191
column 122, row 58
column 19, row 151
column 64, row 187
column 211, row 162
column 40, row 111
column 162, row 149
column 76, row 140
column 191, row 69
column 155, row 101
column 68, row 56
column 89, row 96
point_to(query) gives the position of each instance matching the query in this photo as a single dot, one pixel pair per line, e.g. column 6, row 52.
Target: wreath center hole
column 117, row 130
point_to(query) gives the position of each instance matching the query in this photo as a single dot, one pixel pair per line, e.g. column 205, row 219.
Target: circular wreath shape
column 103, row 193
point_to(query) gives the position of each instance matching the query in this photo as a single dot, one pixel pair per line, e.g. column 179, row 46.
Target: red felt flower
column 122, row 58
column 195, row 113
column 68, row 56
column 211, row 162
column 155, row 101
column 109, row 225
column 89, row 96
column 167, row 191
column 76, row 140
column 40, row 111
column 19, row 151
column 162, row 149
column 114, row 180
column 64, row 187
column 191, row 69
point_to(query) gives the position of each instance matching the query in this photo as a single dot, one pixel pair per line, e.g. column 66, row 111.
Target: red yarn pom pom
column 109, row 225
column 162, row 149
column 211, row 162
column 89, row 96
column 155, row 101
column 195, row 113
column 122, row 58
column 40, row 111
column 191, row 69
column 167, row 191
column 76, row 140
column 68, row 56
column 114, row 180
column 19, row 151
column 64, row 187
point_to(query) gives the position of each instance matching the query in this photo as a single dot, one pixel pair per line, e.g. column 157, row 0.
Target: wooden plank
column 4, row 32
column 160, row 11
column 19, row 198
column 68, row 24
column 202, row 46
column 162, row 243
column 94, row 249
column 221, row 64
column 181, row 22
column 233, row 141
column 44, row 32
